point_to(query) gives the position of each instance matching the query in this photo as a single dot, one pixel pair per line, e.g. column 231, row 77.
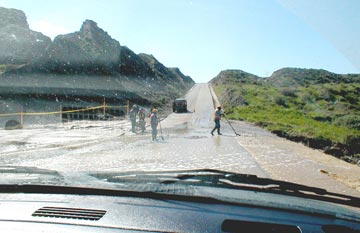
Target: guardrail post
column 104, row 106
column 21, row 116
column 128, row 107
column 61, row 113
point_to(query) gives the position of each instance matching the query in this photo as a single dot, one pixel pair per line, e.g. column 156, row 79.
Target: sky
column 204, row 37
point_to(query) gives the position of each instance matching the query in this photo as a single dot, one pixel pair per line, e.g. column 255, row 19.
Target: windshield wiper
column 94, row 191
column 29, row 175
column 252, row 182
column 231, row 180
column 27, row 170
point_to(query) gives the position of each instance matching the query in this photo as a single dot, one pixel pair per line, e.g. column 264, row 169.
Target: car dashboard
column 22, row 212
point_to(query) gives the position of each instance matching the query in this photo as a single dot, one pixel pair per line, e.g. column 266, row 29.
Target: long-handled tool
column 232, row 127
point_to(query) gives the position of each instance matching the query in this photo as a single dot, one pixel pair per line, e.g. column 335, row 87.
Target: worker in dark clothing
column 132, row 113
column 154, row 123
column 142, row 119
column 217, row 118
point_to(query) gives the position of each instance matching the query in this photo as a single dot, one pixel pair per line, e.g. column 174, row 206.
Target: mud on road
column 187, row 144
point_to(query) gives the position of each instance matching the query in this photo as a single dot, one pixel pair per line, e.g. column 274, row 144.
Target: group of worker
column 136, row 110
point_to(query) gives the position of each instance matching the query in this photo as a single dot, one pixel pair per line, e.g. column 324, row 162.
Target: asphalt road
column 187, row 144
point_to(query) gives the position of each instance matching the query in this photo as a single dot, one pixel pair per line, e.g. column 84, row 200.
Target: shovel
column 232, row 127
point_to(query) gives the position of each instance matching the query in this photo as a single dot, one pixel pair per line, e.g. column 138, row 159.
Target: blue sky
column 203, row 37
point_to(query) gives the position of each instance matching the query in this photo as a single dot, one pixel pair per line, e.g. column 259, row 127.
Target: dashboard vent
column 235, row 226
column 69, row 213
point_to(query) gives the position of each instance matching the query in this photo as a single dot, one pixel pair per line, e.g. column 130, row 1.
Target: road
column 187, row 144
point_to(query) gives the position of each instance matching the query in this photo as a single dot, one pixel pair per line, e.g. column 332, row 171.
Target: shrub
column 307, row 98
column 326, row 94
column 350, row 121
column 289, row 92
column 281, row 101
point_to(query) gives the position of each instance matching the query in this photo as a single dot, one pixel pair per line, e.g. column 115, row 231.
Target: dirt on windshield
column 184, row 142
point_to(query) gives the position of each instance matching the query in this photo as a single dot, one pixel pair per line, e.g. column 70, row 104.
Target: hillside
column 316, row 107
column 87, row 64
column 287, row 77
column 235, row 76
column 19, row 44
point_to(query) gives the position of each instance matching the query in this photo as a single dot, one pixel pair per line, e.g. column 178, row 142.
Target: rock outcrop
column 133, row 64
column 84, row 64
column 89, row 50
column 19, row 44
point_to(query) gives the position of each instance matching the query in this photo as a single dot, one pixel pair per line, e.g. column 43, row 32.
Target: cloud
column 48, row 28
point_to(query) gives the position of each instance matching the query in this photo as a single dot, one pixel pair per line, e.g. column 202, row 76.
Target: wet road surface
column 187, row 144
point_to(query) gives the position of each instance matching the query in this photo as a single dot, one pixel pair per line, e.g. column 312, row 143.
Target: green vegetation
column 328, row 112
column 287, row 77
column 2, row 68
column 6, row 67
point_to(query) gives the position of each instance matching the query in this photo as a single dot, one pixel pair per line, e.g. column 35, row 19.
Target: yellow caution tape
column 124, row 106
column 57, row 112
column 49, row 113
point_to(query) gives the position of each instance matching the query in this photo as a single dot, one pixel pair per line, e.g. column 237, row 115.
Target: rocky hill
column 89, row 50
column 287, row 77
column 185, row 79
column 19, row 44
column 236, row 76
column 87, row 63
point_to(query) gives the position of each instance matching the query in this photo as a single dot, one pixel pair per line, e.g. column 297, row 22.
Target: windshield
column 265, row 88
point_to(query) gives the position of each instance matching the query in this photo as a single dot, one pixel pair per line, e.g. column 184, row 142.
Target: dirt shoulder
column 295, row 162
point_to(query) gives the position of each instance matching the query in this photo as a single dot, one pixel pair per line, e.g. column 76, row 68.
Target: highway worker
column 142, row 122
column 217, row 118
column 132, row 113
column 154, row 123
